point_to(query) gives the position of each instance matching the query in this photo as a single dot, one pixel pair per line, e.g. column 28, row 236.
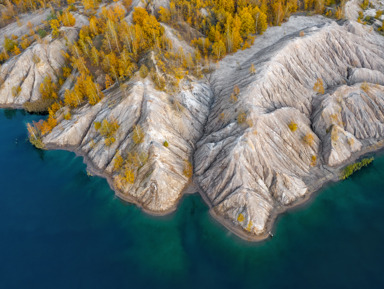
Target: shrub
column 16, row 91
column 36, row 59
column 39, row 106
column 233, row 97
column 292, row 126
column 319, row 86
column 159, row 81
column 42, row 33
column 166, row 144
column 138, row 134
column 252, row 69
column 107, row 128
column 365, row 4
column 129, row 176
column 143, row 71
column 9, row 44
column 249, row 226
column 67, row 116
column 97, row 125
column 309, row 139
column 241, row 118
column 188, row 169
column 16, row 50
column 126, row 177
column 236, row 90
column 313, row 160
column 25, row 43
column 109, row 141
column 118, row 162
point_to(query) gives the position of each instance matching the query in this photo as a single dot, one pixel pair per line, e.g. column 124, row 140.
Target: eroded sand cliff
column 260, row 141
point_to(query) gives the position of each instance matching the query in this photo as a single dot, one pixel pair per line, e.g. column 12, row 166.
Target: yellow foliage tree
column 129, row 176
column 292, row 126
column 67, row 19
column 138, row 134
column 118, row 162
column 48, row 89
column 188, row 169
column 252, row 69
column 165, row 15
column 55, row 25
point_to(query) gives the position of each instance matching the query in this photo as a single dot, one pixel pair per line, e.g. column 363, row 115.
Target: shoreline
column 332, row 176
column 315, row 189
column 90, row 167
column 192, row 187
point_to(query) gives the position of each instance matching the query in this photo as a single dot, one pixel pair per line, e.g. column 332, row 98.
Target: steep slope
column 270, row 125
column 271, row 139
column 22, row 74
column 158, row 167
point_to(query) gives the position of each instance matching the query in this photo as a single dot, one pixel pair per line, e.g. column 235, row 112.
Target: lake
column 60, row 228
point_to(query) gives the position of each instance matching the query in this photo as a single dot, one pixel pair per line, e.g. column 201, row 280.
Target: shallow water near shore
column 60, row 228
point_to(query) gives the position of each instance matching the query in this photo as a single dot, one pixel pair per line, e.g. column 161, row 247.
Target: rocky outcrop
column 270, row 136
column 261, row 140
column 352, row 8
column 22, row 74
column 177, row 120
column 20, row 28
column 28, row 70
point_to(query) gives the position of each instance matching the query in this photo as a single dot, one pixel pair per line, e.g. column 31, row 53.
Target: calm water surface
column 60, row 228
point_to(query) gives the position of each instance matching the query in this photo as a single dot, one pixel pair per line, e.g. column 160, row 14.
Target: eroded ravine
column 260, row 141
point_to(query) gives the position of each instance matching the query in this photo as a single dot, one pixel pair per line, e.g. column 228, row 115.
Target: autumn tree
column 260, row 20
column 247, row 22
column 188, row 169
column 55, row 25
column 107, row 129
column 292, row 126
column 48, row 89
column 129, row 176
column 219, row 49
column 34, row 134
column 90, row 5
column 67, row 18
column 252, row 69
column 138, row 134
column 164, row 15
column 118, row 162
column 9, row 44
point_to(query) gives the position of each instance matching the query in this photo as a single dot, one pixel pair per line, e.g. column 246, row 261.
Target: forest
column 121, row 42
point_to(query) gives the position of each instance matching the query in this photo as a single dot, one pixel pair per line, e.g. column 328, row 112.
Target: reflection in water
column 9, row 113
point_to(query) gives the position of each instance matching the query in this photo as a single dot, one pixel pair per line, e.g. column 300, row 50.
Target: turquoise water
column 60, row 228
